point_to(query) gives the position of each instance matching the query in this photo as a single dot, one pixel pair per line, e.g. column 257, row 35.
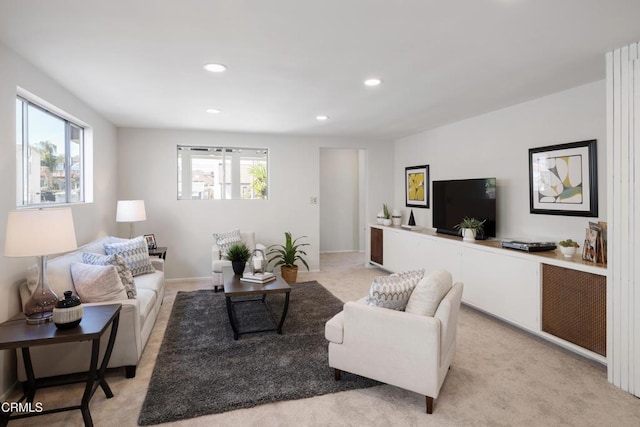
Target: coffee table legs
column 234, row 327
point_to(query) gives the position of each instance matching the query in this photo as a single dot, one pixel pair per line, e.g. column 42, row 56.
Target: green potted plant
column 568, row 247
column 286, row 256
column 386, row 215
column 469, row 228
column 238, row 254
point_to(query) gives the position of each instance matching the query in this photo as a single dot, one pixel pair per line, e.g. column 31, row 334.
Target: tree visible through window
column 49, row 157
column 222, row 173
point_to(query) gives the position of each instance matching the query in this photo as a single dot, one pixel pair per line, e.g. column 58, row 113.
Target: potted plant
column 238, row 254
column 386, row 214
column 568, row 247
column 469, row 228
column 286, row 256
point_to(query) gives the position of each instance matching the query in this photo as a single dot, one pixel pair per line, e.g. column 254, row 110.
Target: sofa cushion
column 393, row 291
column 147, row 299
column 97, row 283
column 135, row 253
column 226, row 240
column 152, row 282
column 118, row 262
column 426, row 297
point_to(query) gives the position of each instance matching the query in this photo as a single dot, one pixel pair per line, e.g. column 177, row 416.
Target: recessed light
column 372, row 82
column 215, row 68
column 322, row 118
column 213, row 111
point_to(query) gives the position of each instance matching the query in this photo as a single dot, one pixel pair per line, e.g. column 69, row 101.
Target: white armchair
column 410, row 351
column 218, row 262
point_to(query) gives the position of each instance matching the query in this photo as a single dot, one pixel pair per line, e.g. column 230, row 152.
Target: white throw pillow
column 426, row 297
column 393, row 291
column 97, row 283
column 119, row 263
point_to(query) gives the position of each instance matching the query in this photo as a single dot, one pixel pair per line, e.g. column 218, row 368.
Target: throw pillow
column 393, row 291
column 97, row 283
column 135, row 254
column 118, row 262
column 428, row 293
column 226, row 240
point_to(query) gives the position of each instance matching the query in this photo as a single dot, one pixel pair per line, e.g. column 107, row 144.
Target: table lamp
column 130, row 211
column 40, row 233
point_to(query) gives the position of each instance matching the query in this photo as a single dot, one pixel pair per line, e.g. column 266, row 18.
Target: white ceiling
column 139, row 62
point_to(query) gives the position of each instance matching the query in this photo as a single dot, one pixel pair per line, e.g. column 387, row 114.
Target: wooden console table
column 16, row 333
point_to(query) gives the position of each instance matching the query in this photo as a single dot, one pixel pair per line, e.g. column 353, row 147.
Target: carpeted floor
column 202, row 370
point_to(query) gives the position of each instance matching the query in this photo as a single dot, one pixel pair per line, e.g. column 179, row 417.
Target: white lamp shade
column 130, row 211
column 39, row 232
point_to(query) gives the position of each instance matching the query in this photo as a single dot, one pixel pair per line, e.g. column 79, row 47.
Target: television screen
column 455, row 199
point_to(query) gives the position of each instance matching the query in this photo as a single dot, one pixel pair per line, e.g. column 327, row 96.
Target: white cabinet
column 505, row 286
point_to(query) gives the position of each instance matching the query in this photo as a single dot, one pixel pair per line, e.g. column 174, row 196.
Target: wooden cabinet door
column 376, row 246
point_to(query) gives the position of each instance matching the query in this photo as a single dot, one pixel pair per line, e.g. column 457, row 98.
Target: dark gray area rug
column 201, row 370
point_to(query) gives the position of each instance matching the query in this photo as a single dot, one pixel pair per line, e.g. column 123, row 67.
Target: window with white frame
column 222, row 173
column 49, row 157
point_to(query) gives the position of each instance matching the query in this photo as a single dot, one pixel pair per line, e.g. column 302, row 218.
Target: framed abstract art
column 417, row 186
column 563, row 179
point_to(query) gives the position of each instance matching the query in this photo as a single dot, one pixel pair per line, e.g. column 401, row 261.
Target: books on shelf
column 595, row 243
column 258, row 277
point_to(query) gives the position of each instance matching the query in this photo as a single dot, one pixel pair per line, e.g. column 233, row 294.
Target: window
column 222, row 173
column 50, row 153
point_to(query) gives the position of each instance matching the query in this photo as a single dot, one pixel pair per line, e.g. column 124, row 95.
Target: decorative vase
column 67, row 313
column 380, row 217
column 238, row 267
column 386, row 221
column 568, row 251
column 289, row 273
column 468, row 235
column 396, row 217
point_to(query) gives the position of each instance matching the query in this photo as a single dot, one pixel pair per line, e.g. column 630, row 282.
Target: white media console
column 560, row 299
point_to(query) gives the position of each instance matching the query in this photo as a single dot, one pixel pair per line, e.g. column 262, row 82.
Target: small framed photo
column 151, row 241
column 417, row 186
column 563, row 179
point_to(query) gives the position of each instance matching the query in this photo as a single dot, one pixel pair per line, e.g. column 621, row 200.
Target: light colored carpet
column 501, row 376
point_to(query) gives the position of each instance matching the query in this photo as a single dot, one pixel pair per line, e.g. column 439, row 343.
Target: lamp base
column 38, row 318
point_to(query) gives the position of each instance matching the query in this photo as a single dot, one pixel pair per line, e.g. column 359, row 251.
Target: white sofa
column 409, row 351
column 218, row 262
column 137, row 318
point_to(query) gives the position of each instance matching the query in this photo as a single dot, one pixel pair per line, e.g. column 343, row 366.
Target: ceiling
column 140, row 63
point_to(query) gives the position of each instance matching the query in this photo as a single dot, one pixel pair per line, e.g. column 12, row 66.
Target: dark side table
column 160, row 252
column 16, row 333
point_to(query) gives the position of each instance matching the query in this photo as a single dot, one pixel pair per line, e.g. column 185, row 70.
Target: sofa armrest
column 375, row 328
column 157, row 263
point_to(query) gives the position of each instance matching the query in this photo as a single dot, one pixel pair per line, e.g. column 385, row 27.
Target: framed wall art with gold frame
column 417, row 186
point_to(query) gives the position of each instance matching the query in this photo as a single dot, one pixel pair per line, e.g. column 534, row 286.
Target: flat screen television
column 455, row 199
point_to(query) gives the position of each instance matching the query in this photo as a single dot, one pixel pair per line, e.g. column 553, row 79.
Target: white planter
column 386, row 222
column 468, row 235
column 396, row 220
column 568, row 251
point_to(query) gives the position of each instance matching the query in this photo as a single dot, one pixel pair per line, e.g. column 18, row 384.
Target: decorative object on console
column 286, row 256
column 412, row 220
column 151, row 241
column 595, row 243
column 380, row 217
column 568, row 247
column 130, row 211
column 67, row 314
column 387, row 216
column 469, row 228
column 417, row 186
column 40, row 233
column 238, row 254
column 396, row 217
column 563, row 179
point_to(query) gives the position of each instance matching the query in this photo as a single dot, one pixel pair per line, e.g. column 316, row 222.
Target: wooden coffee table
column 234, row 287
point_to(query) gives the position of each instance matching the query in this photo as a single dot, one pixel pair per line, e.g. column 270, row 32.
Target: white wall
column 147, row 170
column 496, row 145
column 339, row 200
column 89, row 219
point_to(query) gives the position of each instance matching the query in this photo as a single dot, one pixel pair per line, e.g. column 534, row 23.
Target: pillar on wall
column 623, row 194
